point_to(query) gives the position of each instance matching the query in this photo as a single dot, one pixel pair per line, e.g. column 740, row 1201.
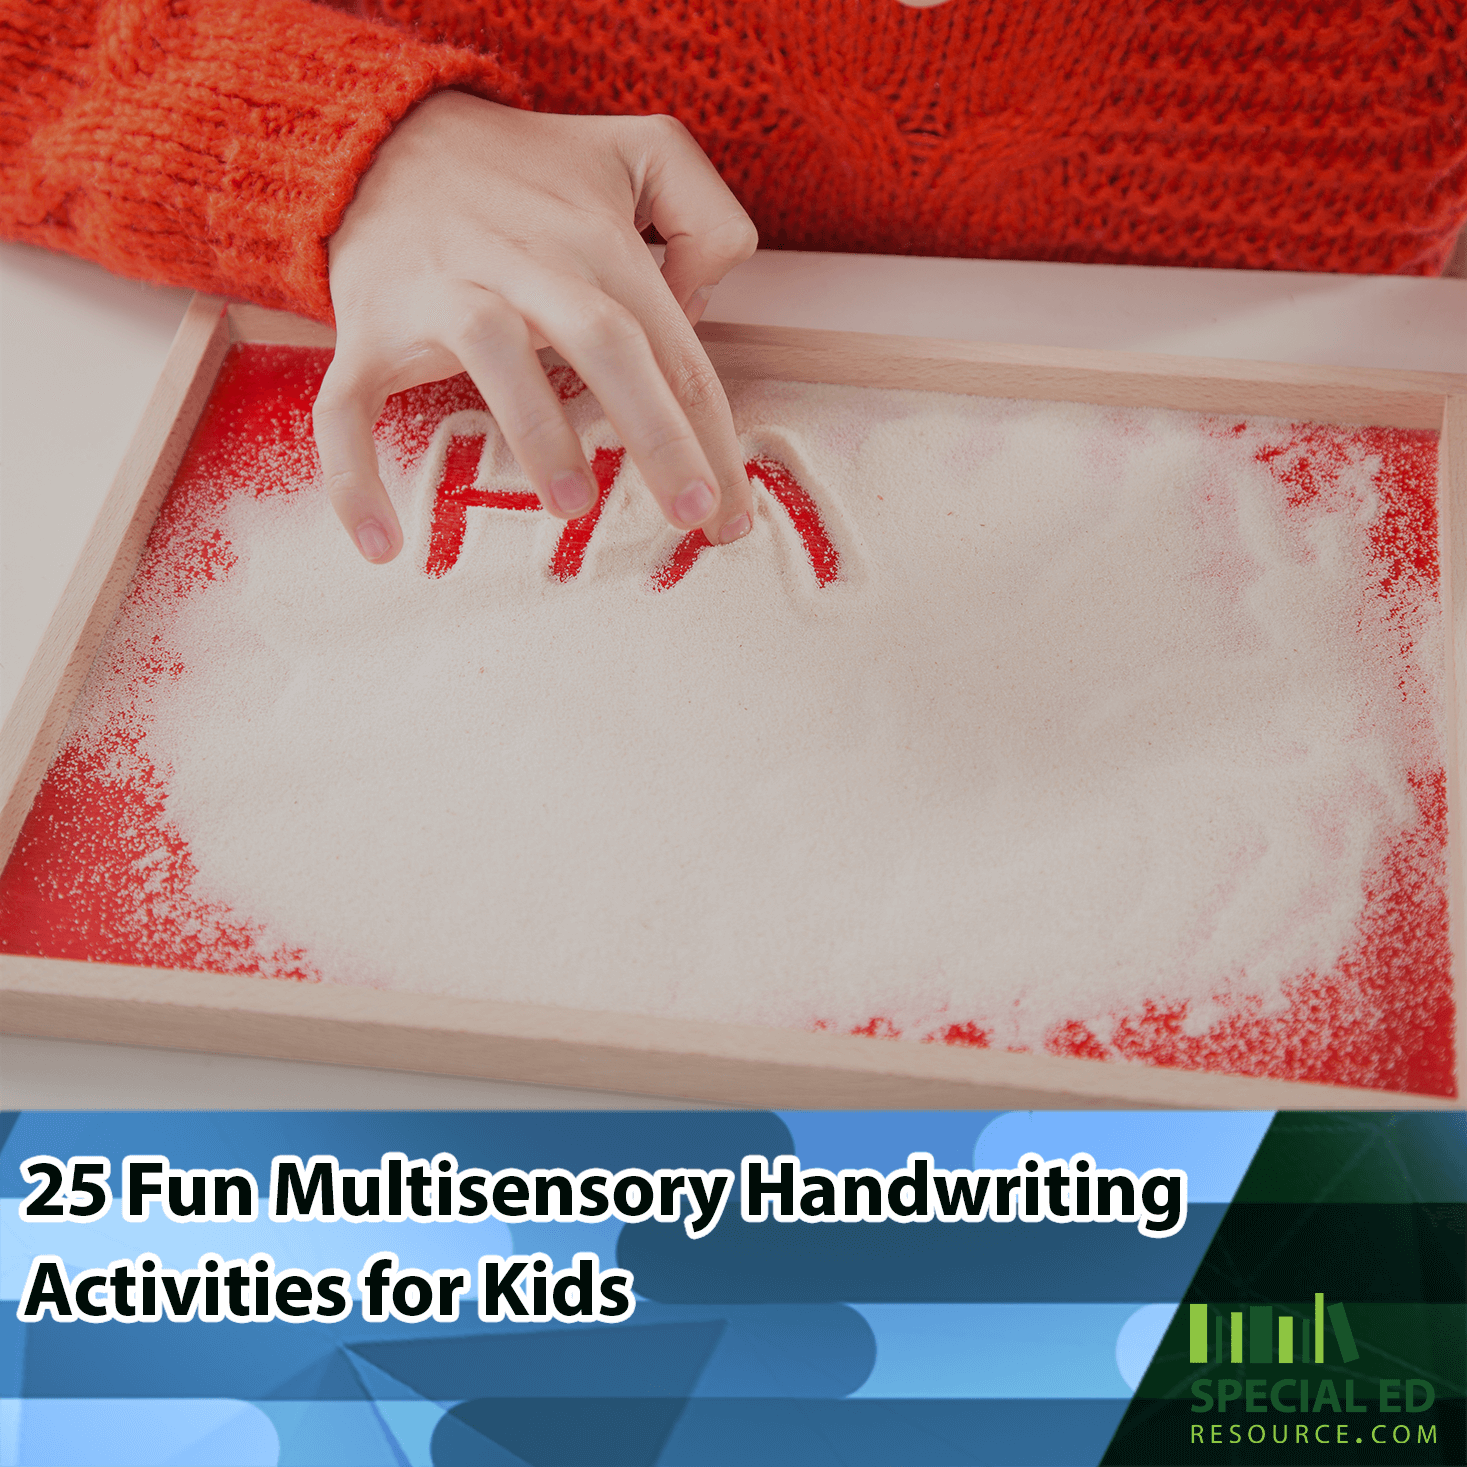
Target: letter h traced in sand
column 457, row 494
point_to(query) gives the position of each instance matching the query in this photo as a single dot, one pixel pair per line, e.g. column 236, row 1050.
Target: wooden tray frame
column 698, row 1061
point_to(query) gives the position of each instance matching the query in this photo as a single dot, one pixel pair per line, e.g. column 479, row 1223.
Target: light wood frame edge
column 728, row 1063
column 37, row 719
column 1122, row 379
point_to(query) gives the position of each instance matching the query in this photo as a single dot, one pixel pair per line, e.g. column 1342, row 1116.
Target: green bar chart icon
column 1227, row 1341
column 1197, row 1334
column 1260, row 1335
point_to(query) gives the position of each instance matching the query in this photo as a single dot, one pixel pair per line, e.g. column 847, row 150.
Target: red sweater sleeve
column 205, row 143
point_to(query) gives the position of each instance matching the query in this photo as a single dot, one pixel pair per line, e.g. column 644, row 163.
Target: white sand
column 1087, row 719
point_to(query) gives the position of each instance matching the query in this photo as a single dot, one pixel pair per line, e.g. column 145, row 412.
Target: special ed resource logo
column 1277, row 1336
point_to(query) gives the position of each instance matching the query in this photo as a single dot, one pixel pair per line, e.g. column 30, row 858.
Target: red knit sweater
column 215, row 143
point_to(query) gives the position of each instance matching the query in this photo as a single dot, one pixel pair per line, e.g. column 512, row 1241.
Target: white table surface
column 81, row 349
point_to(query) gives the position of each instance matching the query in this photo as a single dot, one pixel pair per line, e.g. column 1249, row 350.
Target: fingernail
column 693, row 504
column 697, row 304
column 372, row 540
column 571, row 493
column 734, row 530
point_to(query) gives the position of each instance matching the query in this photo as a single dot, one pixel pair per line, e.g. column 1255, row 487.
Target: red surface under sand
column 98, row 873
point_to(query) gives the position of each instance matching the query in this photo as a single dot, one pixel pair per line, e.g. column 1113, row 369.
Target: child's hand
column 480, row 234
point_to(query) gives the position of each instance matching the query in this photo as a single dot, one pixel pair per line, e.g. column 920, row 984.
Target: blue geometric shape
column 620, row 1432
column 820, row 1349
column 410, row 1425
column 12, row 1355
column 883, row 1139
column 406, row 1417
column 612, row 1360
column 1138, row 1339
column 145, row 1433
column 260, row 1361
column 239, row 1439
column 329, row 1377
column 456, row 1442
column 996, row 1351
column 765, row 1350
column 769, row 1350
column 332, row 1434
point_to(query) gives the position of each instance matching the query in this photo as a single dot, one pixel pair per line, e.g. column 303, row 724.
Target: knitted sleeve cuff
column 214, row 143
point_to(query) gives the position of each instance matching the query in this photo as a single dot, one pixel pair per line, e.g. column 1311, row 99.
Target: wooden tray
column 700, row 1061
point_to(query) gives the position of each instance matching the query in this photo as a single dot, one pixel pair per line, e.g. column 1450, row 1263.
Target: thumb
column 706, row 229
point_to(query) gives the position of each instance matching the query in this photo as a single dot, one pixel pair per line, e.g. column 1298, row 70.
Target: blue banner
column 421, row 1289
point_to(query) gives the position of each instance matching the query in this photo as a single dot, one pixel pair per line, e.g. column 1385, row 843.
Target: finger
column 697, row 304
column 706, row 229
column 606, row 344
column 349, row 401
column 492, row 341
column 695, row 385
